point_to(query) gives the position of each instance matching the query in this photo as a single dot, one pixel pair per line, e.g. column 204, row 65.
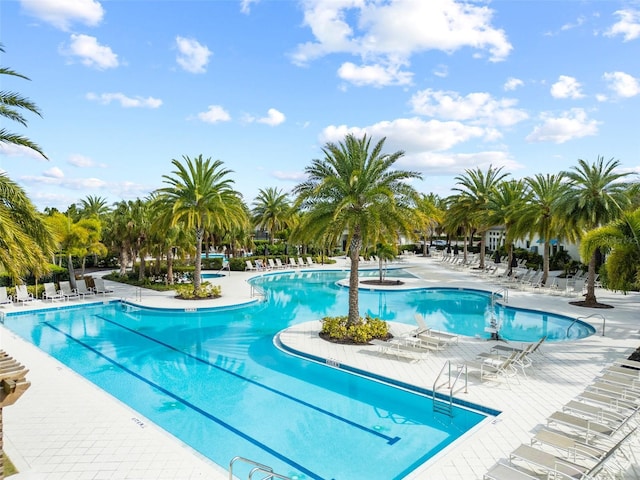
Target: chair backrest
column 22, row 292
column 65, row 286
column 422, row 325
column 249, row 265
column 4, row 297
column 50, row 289
column 279, row 262
column 270, row 262
column 301, row 262
column 81, row 286
column 292, row 262
column 99, row 285
column 309, row 261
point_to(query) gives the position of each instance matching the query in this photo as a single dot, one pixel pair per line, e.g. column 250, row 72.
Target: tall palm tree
column 541, row 215
column 354, row 188
column 595, row 196
column 476, row 189
column 621, row 238
column 202, row 199
column 93, row 206
column 505, row 207
column 271, row 211
column 26, row 242
column 459, row 216
column 11, row 106
column 429, row 214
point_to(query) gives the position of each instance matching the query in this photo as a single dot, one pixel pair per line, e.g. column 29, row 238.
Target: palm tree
column 94, row 206
column 271, row 211
column 541, row 215
column 429, row 215
column 202, row 199
column 595, row 196
column 505, row 207
column 11, row 105
column 26, row 242
column 459, row 216
column 476, row 189
column 621, row 238
column 354, row 189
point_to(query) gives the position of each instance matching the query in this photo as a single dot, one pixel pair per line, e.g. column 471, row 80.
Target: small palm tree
column 595, row 196
column 354, row 188
column 202, row 199
column 94, row 206
column 621, row 238
column 11, row 105
column 429, row 214
column 271, row 211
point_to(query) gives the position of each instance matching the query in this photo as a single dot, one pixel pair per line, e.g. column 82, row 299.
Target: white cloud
column 478, row 107
column 375, row 75
column 70, row 183
column 622, row 84
column 192, row 56
column 569, row 125
column 388, row 33
column 628, row 26
column 273, row 118
column 11, row 150
column 62, row 13
column 566, row 87
column 215, row 114
column 411, row 134
column 90, row 52
column 441, row 71
column 512, row 83
column 290, row 176
column 245, row 5
column 454, row 163
column 569, row 26
column 126, row 102
column 80, row 161
column 53, row 172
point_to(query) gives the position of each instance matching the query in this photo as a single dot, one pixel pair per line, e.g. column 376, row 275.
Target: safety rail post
column 604, row 321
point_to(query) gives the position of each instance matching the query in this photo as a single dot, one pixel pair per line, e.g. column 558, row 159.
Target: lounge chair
column 554, row 466
column 424, row 329
column 4, row 298
column 598, row 413
column 249, row 265
column 50, row 293
column 23, row 295
column 82, row 289
column 496, row 368
column 67, row 291
column 301, row 262
column 279, row 263
column 572, row 446
column 100, row 287
column 310, row 262
column 585, row 426
column 616, row 404
column 292, row 262
column 272, row 265
column 501, row 471
column 398, row 348
column 506, row 347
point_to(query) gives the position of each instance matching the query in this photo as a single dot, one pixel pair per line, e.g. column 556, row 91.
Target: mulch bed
column 388, row 283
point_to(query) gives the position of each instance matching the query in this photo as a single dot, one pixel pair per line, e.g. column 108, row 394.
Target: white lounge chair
column 310, row 262
column 23, row 295
column 82, row 289
column 398, row 348
column 424, row 329
column 100, row 286
column 279, row 263
column 572, row 446
column 272, row 265
column 301, row 262
column 67, row 291
column 50, row 293
column 496, row 368
column 249, row 266
column 4, row 297
column 500, row 471
column 292, row 262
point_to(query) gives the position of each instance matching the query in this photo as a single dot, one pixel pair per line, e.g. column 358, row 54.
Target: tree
column 202, row 199
column 476, row 189
column 354, row 189
column 11, row 106
column 541, row 215
column 428, row 214
column 621, row 238
column 595, row 196
column 271, row 211
column 94, row 206
column 26, row 243
column 505, row 207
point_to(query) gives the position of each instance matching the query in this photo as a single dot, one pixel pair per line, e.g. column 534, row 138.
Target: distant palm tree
column 94, row 206
column 541, row 215
column 459, row 216
column 354, row 188
column 505, row 207
column 26, row 243
column 11, row 104
column 595, row 196
column 621, row 238
column 271, row 211
column 429, row 214
column 202, row 199
column 476, row 188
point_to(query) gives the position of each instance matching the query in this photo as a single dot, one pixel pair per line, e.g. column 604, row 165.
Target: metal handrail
column 461, row 368
column 270, row 474
column 604, row 321
column 505, row 295
column 250, row 462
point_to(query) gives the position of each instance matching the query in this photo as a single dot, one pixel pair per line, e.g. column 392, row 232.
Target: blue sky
column 126, row 86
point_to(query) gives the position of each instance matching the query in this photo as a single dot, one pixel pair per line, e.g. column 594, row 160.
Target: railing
column 604, row 321
column 496, row 293
column 257, row 291
column 450, row 386
column 257, row 468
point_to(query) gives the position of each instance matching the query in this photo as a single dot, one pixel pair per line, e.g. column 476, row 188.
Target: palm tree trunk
column 545, row 261
column 590, row 298
column 198, row 263
column 72, row 273
column 482, row 243
column 354, row 254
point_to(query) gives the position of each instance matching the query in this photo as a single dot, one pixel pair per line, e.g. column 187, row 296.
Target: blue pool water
column 215, row 380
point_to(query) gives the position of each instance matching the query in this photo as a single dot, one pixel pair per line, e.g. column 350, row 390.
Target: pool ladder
column 439, row 405
column 257, row 468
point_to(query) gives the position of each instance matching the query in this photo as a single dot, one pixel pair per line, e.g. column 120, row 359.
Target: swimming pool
column 215, row 380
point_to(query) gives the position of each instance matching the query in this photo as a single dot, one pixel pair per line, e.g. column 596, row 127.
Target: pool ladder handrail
column 257, row 468
column 604, row 322
column 437, row 403
column 257, row 291
column 494, row 296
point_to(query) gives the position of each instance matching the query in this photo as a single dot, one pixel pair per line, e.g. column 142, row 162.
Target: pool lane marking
column 388, row 439
column 190, row 405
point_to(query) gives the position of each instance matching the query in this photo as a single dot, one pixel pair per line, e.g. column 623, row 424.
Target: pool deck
column 64, row 427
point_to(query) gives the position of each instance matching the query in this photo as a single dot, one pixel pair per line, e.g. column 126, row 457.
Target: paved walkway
column 66, row 428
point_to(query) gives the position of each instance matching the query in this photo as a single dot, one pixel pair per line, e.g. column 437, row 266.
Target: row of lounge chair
column 591, row 437
column 278, row 265
column 53, row 294
column 415, row 343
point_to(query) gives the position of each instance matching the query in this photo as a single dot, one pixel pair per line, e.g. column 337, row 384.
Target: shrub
column 207, row 290
column 336, row 329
